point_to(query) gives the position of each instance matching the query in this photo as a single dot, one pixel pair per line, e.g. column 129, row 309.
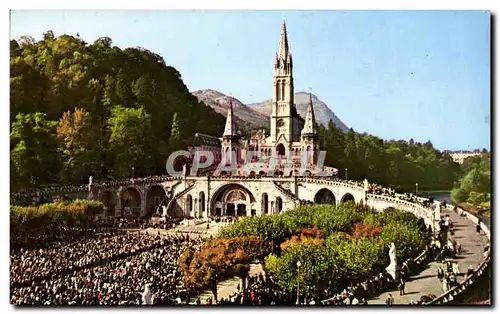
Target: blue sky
column 394, row 74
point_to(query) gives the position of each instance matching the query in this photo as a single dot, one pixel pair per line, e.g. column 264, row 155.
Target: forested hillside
column 473, row 189
column 80, row 109
column 398, row 164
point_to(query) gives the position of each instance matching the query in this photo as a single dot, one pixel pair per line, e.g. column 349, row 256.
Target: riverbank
column 475, row 210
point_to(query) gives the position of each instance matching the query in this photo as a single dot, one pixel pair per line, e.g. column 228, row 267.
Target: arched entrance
column 155, row 196
column 232, row 200
column 279, row 204
column 265, row 204
column 280, row 150
column 324, row 196
column 109, row 201
column 347, row 198
column 131, row 202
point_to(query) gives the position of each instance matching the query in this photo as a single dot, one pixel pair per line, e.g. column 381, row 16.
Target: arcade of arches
column 230, row 200
column 325, row 196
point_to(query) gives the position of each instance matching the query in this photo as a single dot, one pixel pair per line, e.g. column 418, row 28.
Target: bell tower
column 282, row 102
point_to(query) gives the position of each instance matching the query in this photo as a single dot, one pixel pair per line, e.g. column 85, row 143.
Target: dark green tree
column 34, row 158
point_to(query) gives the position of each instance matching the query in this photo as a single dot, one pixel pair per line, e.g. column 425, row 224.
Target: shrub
column 27, row 224
column 365, row 231
column 220, row 255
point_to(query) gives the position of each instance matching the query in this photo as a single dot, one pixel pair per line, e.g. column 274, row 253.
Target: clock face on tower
column 280, row 123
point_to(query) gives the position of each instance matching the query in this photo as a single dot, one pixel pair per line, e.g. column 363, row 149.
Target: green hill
column 80, row 109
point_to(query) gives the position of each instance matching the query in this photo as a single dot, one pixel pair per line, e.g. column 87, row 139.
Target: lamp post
column 298, row 281
column 132, row 172
column 346, row 175
column 416, row 189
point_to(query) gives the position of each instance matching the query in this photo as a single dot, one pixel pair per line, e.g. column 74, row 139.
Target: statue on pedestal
column 392, row 268
column 365, row 184
column 146, row 295
column 91, row 195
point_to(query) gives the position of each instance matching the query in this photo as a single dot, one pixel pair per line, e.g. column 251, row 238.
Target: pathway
column 427, row 282
column 227, row 287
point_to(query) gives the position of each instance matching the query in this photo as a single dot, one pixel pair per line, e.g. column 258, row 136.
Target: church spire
column 309, row 124
column 230, row 129
column 283, row 49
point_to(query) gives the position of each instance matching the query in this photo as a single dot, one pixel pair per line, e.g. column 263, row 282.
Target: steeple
column 282, row 120
column 283, row 49
column 309, row 123
column 230, row 129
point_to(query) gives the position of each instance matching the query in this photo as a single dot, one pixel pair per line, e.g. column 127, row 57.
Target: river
column 447, row 198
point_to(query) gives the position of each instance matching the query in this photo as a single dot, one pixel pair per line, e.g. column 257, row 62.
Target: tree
column 360, row 257
column 103, row 42
column 458, row 195
column 408, row 238
column 475, row 181
column 474, row 187
column 34, row 158
column 175, row 141
column 130, row 128
column 79, row 146
column 317, row 267
column 49, row 35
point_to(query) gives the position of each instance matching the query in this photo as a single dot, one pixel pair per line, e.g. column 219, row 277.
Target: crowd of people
column 100, row 269
column 135, row 223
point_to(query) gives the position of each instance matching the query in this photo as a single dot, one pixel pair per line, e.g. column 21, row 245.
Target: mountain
column 256, row 115
column 322, row 113
column 246, row 118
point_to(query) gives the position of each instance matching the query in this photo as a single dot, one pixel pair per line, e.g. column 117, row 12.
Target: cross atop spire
column 283, row 49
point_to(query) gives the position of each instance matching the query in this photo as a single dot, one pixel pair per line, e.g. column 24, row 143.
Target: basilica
column 289, row 133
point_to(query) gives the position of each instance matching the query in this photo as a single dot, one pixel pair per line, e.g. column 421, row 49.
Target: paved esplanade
column 427, row 282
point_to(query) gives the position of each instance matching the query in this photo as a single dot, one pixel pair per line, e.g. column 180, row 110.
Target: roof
column 206, row 140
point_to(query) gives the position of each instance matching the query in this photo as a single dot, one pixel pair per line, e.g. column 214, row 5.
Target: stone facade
column 288, row 135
